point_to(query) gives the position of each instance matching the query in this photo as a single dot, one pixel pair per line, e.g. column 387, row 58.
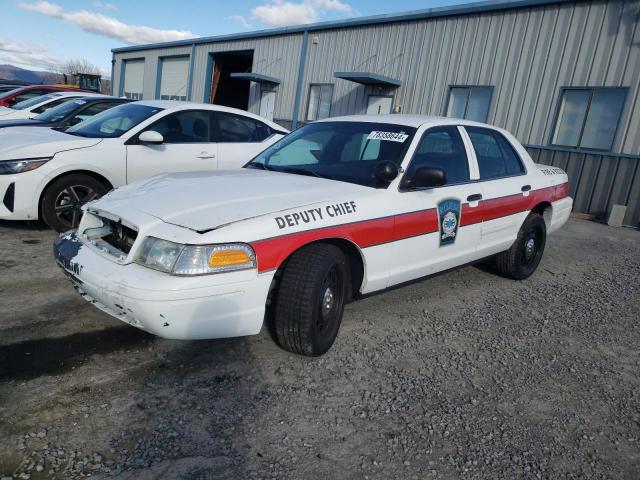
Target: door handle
column 526, row 188
column 206, row 155
column 474, row 198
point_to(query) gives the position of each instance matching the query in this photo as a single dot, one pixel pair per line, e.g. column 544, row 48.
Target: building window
column 588, row 117
column 319, row 101
column 469, row 102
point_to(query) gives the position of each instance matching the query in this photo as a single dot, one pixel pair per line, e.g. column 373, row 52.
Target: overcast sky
column 37, row 34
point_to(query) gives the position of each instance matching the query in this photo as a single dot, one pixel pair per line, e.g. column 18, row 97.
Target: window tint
column 496, row 157
column 44, row 108
column 588, row 117
column 90, row 111
column 114, row 122
column 442, row 147
column 471, row 103
column 30, row 94
column 190, row 126
column 320, row 97
column 232, row 128
column 342, row 151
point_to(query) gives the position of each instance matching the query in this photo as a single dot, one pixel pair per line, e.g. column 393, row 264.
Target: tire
column 524, row 256
column 310, row 299
column 64, row 197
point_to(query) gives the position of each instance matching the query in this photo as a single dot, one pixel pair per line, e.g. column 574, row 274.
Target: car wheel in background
column 63, row 200
column 310, row 299
column 522, row 259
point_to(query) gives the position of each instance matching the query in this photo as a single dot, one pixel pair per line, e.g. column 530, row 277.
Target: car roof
column 178, row 105
column 408, row 120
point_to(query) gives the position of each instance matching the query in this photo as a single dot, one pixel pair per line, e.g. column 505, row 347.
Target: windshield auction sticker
column 389, row 136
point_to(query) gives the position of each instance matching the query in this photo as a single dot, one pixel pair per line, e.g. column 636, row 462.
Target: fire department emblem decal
column 449, row 220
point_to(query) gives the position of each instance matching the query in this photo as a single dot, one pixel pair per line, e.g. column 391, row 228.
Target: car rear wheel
column 524, row 256
column 63, row 200
column 310, row 299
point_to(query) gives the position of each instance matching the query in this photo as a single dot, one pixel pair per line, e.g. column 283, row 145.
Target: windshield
column 114, row 122
column 10, row 92
column 34, row 101
column 344, row 151
column 56, row 114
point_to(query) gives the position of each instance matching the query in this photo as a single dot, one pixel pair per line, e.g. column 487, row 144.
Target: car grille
column 112, row 236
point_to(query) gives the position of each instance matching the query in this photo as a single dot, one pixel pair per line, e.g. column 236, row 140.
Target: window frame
column 493, row 131
column 215, row 127
column 212, row 132
column 319, row 84
column 591, row 90
column 467, row 152
column 491, row 89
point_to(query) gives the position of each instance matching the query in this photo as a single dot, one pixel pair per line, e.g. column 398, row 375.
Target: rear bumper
column 561, row 209
column 184, row 308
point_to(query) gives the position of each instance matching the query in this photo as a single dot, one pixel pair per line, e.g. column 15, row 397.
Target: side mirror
column 425, row 177
column 386, row 171
column 151, row 136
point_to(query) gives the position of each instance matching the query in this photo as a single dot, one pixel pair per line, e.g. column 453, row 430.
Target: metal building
column 563, row 76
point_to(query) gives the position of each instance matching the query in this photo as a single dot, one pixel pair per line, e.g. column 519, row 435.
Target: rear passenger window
column 442, row 147
column 234, row 128
column 496, row 157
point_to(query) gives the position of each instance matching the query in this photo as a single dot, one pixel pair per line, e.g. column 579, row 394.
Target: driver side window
column 190, row 126
column 442, row 147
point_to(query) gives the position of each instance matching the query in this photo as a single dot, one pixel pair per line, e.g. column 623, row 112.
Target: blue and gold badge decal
column 449, row 220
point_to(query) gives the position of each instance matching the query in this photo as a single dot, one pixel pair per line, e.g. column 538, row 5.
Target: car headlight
column 178, row 259
column 9, row 167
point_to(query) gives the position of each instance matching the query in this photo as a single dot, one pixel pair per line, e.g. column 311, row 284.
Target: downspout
column 192, row 61
column 301, row 67
column 113, row 62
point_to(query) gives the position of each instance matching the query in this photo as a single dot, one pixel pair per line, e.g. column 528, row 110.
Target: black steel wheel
column 310, row 301
column 523, row 258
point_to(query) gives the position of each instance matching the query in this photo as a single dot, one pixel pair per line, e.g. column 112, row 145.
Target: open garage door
column 174, row 75
column 133, row 79
column 226, row 90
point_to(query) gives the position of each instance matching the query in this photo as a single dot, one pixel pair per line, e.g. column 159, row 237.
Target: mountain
column 13, row 73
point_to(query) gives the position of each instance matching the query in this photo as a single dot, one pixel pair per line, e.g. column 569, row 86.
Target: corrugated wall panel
column 527, row 54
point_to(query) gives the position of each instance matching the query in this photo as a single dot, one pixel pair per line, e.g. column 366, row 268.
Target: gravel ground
column 464, row 375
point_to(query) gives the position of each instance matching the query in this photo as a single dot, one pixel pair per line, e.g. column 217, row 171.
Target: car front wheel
column 524, row 256
column 63, row 200
column 310, row 299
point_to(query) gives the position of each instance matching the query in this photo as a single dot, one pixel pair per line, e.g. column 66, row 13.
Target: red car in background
column 10, row 98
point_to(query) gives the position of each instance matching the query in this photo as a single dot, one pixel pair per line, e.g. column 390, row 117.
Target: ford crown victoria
column 338, row 208
column 50, row 174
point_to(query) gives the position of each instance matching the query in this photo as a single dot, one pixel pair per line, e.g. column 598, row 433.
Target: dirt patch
column 462, row 375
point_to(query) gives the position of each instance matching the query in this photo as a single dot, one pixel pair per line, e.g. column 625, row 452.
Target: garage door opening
column 226, row 90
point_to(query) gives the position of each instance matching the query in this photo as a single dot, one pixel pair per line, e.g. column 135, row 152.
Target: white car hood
column 204, row 201
column 5, row 111
column 27, row 142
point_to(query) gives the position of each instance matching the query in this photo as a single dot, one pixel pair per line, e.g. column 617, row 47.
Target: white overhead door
column 133, row 79
column 173, row 78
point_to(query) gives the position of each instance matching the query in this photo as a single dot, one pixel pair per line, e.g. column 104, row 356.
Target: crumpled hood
column 203, row 201
column 27, row 142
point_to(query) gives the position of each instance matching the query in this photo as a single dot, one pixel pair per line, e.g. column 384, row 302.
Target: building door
column 267, row 103
column 379, row 105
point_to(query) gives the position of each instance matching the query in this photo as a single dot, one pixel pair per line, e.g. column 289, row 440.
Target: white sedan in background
column 49, row 174
column 34, row 106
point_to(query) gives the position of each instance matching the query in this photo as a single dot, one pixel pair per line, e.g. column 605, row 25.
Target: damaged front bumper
column 185, row 308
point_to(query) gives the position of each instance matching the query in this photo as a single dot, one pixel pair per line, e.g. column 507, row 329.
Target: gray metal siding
column 527, row 54
column 597, row 182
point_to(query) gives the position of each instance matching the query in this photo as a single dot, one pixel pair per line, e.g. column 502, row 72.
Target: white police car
column 340, row 207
